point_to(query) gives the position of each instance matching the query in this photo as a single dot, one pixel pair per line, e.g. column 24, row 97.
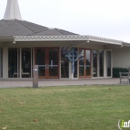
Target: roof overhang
column 86, row 38
column 126, row 44
column 6, row 39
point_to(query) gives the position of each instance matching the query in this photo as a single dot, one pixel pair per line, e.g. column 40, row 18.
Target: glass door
column 53, row 62
column 85, row 63
column 47, row 60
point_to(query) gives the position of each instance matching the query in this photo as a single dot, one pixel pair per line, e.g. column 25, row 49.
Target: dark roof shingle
column 25, row 28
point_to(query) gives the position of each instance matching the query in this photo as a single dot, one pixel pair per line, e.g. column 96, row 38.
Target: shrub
column 117, row 70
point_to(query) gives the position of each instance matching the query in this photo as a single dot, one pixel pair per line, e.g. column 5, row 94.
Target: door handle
column 46, row 66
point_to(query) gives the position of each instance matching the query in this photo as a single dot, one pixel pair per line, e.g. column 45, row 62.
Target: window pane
column 26, row 63
column 53, row 61
column 75, row 65
column 40, row 61
column 101, row 63
column 12, row 65
column 95, row 63
column 40, row 57
column 64, row 63
column 88, row 63
column 108, row 63
column 81, row 62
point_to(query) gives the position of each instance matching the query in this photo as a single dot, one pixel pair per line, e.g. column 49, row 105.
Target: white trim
column 67, row 38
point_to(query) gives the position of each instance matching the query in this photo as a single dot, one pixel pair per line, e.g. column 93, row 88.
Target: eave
column 6, row 39
column 67, row 38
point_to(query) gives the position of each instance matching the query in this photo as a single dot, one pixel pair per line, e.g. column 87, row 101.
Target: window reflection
column 53, row 61
column 108, row 63
column 26, row 62
column 88, row 63
column 81, row 62
column 95, row 63
column 64, row 63
column 13, row 63
column 101, row 62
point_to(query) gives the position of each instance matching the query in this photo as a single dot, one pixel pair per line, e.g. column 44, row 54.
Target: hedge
column 117, row 70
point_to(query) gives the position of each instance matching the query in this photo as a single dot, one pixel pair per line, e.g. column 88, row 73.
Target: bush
column 117, row 70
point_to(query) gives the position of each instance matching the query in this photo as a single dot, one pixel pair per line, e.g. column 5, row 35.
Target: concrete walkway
column 63, row 82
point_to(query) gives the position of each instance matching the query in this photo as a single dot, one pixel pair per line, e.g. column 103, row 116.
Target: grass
column 64, row 108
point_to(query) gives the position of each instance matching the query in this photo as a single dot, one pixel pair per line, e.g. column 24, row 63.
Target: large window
column 108, row 63
column 64, row 63
column 75, row 65
column 88, row 62
column 95, row 63
column 19, row 63
column 26, row 62
column 98, row 63
column 101, row 63
column 1, row 63
column 14, row 63
column 85, row 63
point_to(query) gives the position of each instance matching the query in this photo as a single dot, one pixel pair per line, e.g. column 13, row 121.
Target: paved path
column 43, row 83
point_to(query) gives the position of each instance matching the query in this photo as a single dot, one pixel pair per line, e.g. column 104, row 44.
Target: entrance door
column 85, row 63
column 47, row 60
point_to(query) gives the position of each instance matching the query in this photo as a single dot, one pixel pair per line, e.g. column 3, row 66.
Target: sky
column 103, row 18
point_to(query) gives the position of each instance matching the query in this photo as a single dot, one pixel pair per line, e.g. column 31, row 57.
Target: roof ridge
column 66, row 31
column 37, row 32
column 24, row 25
column 59, row 30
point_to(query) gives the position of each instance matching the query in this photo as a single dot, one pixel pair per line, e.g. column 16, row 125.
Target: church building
column 59, row 54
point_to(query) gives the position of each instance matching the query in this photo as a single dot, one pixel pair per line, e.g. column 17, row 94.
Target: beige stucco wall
column 121, row 57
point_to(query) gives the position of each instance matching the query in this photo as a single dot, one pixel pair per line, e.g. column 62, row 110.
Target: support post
column 35, row 76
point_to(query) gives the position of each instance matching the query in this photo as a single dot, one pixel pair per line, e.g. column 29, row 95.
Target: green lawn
column 64, row 108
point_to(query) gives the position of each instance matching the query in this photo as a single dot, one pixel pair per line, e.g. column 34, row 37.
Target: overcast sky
column 103, row 18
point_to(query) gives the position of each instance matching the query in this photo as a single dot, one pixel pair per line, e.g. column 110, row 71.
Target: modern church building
column 58, row 53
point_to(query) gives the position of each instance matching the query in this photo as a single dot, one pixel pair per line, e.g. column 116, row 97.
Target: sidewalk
column 62, row 82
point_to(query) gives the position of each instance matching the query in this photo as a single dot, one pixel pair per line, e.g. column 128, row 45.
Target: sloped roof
column 25, row 28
